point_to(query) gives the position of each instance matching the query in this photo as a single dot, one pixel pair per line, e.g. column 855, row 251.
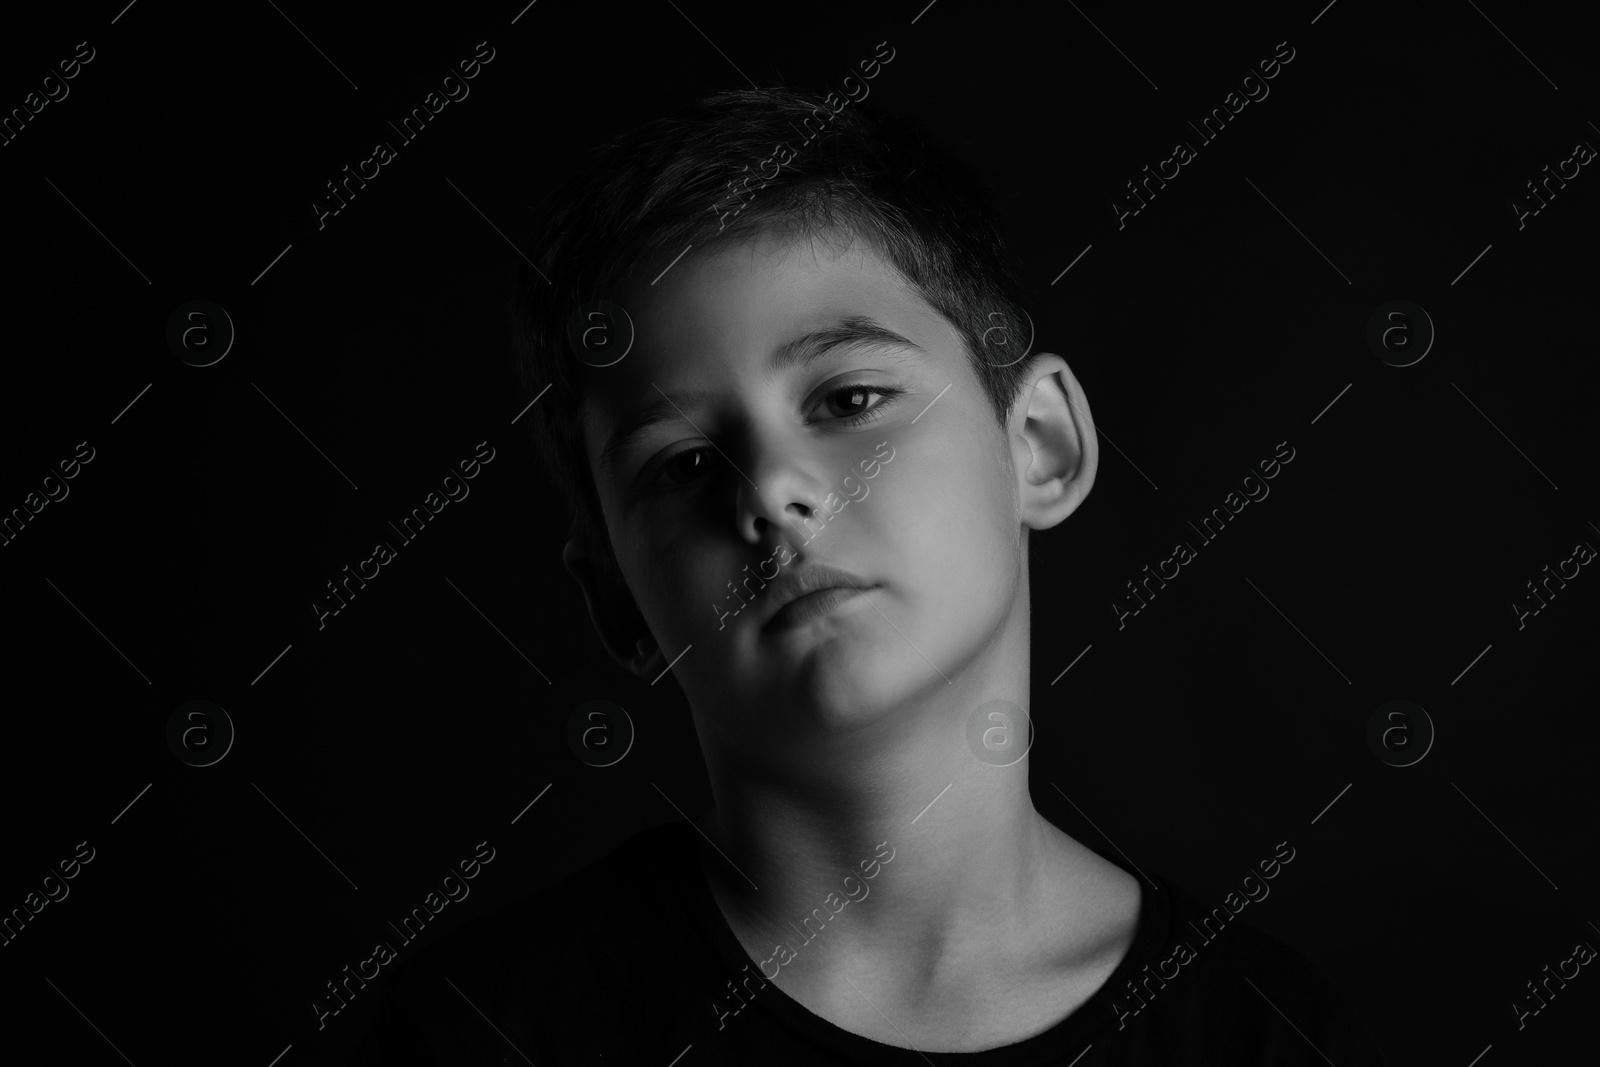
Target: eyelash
column 872, row 414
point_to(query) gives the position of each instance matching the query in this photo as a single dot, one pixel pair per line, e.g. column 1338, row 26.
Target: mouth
column 815, row 604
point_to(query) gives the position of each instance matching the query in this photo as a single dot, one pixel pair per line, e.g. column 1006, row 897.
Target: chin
column 844, row 682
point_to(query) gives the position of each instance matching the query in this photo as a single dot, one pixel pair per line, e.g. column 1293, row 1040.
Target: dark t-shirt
column 630, row 961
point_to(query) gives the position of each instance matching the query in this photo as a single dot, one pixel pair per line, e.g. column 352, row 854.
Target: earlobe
column 615, row 616
column 647, row 661
column 1055, row 446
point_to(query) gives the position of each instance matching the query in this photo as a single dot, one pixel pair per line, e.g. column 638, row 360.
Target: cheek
column 674, row 571
column 677, row 570
column 988, row 501
column 951, row 519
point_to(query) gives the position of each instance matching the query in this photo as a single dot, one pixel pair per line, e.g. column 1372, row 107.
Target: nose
column 784, row 489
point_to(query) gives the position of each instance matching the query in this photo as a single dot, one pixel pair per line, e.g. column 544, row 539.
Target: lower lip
column 813, row 606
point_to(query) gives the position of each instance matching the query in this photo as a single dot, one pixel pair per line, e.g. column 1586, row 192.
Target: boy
column 805, row 484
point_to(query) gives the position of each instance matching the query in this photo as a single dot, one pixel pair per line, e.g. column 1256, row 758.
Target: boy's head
column 833, row 374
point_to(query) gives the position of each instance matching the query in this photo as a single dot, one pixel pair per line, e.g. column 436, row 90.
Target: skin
column 823, row 740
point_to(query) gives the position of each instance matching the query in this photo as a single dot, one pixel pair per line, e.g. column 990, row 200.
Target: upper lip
column 809, row 578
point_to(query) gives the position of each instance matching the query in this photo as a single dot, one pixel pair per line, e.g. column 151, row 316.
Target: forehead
column 738, row 294
column 716, row 320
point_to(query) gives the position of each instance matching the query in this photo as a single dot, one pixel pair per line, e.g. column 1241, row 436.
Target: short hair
column 669, row 184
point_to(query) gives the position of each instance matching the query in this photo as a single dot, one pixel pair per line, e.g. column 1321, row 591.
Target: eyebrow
column 853, row 331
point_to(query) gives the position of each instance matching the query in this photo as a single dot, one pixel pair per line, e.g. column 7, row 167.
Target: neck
column 972, row 860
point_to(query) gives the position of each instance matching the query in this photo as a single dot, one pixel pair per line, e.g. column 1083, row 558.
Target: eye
column 855, row 400
column 692, row 464
column 685, row 467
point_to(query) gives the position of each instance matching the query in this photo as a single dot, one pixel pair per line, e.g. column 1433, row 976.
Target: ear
column 612, row 610
column 1053, row 444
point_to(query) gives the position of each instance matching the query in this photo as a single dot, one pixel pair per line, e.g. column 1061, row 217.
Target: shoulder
column 544, row 955
column 606, row 901
column 1216, row 981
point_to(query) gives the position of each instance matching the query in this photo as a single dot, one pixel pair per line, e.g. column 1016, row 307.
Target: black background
column 376, row 752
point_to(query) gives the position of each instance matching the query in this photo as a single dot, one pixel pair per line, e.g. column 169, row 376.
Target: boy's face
column 929, row 493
